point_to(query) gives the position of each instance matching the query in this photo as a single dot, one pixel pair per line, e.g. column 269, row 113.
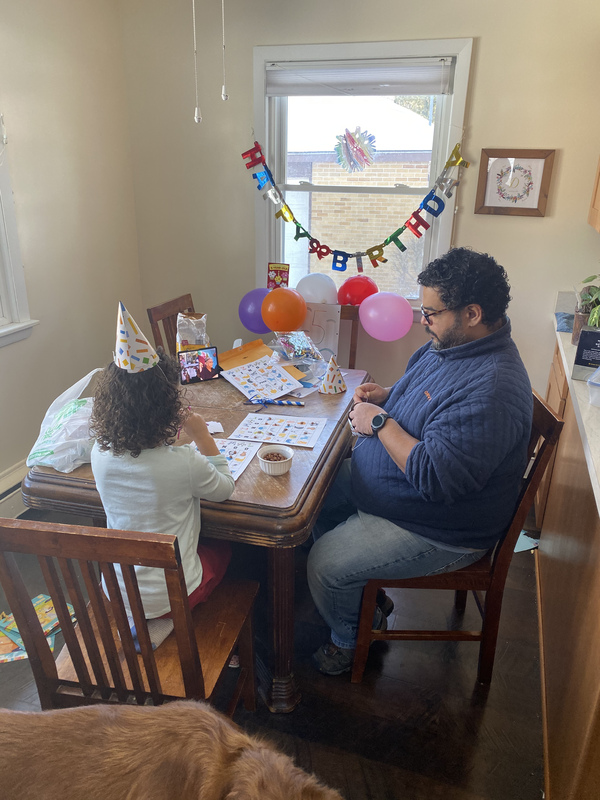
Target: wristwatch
column 379, row 421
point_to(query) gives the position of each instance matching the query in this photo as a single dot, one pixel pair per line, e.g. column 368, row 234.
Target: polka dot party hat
column 133, row 352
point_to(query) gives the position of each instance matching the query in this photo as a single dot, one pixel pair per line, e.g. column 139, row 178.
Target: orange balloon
column 283, row 309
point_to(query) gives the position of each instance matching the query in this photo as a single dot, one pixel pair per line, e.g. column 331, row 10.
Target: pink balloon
column 386, row 316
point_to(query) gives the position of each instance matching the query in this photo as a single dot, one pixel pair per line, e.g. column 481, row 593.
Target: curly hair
column 140, row 410
column 463, row 276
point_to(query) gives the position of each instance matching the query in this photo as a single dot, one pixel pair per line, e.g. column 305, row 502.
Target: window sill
column 15, row 331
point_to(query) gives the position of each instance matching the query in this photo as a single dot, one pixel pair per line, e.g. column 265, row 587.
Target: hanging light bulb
column 224, row 95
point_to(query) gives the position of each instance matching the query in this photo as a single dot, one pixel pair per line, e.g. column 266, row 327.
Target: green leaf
column 594, row 317
column 591, row 278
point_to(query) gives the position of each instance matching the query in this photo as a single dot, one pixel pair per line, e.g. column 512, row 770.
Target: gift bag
column 64, row 442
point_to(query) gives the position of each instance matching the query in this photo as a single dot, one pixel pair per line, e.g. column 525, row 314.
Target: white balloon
column 318, row 288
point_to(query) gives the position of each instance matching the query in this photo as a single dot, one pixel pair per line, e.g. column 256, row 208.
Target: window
column 15, row 323
column 410, row 96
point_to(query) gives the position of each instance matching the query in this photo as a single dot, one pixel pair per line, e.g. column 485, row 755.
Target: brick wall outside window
column 355, row 222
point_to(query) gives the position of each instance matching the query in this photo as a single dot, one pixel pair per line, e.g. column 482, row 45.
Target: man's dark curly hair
column 135, row 411
column 464, row 276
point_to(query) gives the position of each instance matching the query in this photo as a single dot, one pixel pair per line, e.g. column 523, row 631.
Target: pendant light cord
column 197, row 112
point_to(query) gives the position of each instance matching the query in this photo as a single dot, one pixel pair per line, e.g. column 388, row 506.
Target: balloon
column 386, row 316
column 250, row 310
column 353, row 290
column 318, row 288
column 283, row 310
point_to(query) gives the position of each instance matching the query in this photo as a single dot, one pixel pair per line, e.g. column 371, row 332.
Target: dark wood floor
column 419, row 727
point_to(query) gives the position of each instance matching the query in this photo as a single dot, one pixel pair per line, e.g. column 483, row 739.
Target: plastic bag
column 295, row 348
column 64, row 442
column 191, row 332
column 297, row 344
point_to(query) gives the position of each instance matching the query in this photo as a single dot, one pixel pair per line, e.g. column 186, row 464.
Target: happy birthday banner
column 432, row 203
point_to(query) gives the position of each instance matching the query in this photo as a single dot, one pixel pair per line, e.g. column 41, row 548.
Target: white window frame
column 15, row 322
column 267, row 227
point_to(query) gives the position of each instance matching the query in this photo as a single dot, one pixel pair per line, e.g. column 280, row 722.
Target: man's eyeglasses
column 429, row 314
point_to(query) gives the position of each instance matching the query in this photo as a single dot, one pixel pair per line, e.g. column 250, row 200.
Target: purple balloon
column 386, row 316
column 250, row 311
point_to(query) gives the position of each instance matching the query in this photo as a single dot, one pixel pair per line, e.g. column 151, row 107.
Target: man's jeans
column 351, row 547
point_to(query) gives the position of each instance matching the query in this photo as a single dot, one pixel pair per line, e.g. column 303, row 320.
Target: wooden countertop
column 587, row 415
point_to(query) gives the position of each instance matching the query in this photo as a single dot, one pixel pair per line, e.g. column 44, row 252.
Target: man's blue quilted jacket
column 470, row 407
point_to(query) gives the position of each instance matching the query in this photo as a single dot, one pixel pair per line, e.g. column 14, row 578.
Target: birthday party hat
column 133, row 352
column 332, row 382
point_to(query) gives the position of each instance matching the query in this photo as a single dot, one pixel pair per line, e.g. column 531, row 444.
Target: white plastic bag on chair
column 64, row 442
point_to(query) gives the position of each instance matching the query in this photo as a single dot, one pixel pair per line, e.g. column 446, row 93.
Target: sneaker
column 379, row 620
column 332, row 660
column 385, row 602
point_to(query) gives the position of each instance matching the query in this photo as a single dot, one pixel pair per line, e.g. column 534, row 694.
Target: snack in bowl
column 275, row 459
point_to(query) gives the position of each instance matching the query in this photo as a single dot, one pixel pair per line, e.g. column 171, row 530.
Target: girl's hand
column 195, row 427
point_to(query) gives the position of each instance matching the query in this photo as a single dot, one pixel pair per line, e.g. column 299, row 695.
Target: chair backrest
column 545, row 431
column 166, row 314
column 100, row 644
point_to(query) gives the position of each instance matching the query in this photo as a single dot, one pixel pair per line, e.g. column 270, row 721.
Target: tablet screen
column 197, row 365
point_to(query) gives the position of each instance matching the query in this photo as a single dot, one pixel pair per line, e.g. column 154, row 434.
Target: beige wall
column 533, row 85
column 61, row 93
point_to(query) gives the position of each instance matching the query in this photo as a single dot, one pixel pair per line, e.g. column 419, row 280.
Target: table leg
column 280, row 692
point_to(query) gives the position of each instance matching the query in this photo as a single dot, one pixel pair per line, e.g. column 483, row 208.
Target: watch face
column 378, row 421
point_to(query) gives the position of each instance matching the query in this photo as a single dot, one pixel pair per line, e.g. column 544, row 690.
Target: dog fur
column 179, row 751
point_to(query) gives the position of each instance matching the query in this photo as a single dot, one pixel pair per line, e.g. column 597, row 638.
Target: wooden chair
column 166, row 313
column 99, row 663
column 486, row 575
column 351, row 313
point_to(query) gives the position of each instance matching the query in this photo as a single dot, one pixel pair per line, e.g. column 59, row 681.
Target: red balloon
column 355, row 289
column 283, row 309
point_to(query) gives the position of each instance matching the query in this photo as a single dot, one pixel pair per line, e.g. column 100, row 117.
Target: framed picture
column 514, row 182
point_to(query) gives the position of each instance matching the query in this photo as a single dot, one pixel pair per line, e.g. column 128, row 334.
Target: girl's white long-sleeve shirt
column 160, row 492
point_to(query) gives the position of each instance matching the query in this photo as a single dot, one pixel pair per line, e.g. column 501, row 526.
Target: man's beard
column 453, row 337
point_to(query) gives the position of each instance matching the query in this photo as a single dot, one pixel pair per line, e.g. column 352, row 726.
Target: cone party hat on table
column 333, row 382
column 133, row 352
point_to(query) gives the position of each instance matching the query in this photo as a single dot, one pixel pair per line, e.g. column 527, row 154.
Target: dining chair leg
column 363, row 639
column 460, row 600
column 246, row 654
column 489, row 636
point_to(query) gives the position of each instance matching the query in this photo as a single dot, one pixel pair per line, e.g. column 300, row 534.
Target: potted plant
column 587, row 310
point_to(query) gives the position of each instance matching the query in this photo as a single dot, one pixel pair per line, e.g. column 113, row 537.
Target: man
column 436, row 467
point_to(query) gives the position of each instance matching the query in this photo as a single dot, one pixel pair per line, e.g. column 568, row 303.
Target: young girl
column 147, row 484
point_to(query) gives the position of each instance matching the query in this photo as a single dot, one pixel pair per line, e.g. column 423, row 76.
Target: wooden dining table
column 276, row 512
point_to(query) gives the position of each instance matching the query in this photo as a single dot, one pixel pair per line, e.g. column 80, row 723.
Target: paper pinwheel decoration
column 355, row 151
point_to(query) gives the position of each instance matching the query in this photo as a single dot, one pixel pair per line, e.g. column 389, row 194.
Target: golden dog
column 179, row 751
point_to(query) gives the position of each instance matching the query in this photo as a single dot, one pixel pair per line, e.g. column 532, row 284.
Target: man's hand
column 362, row 415
column 395, row 439
column 371, row 393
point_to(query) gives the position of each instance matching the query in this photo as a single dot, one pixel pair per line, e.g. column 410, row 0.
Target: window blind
column 420, row 76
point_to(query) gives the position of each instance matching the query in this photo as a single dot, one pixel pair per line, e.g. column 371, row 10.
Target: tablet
column 201, row 364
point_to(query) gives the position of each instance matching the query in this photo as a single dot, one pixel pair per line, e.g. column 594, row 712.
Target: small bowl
column 275, row 467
